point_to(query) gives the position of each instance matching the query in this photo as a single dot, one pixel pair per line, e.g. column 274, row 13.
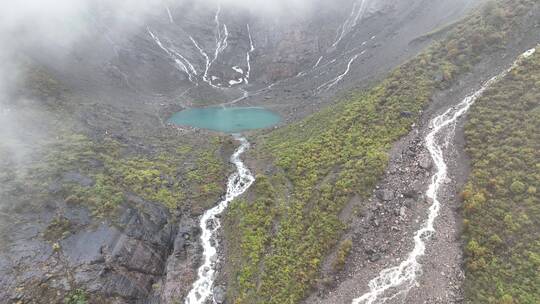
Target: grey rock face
column 180, row 271
column 121, row 257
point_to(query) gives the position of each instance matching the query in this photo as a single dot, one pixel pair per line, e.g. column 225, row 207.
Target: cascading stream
column 171, row 19
column 237, row 184
column 248, row 54
column 358, row 9
column 397, row 281
column 181, row 62
column 332, row 82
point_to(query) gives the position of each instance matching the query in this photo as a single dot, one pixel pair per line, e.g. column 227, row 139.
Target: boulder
column 425, row 162
column 402, row 211
column 406, row 114
column 219, row 295
column 385, row 195
column 411, row 193
column 370, row 251
column 374, row 258
column 409, row 202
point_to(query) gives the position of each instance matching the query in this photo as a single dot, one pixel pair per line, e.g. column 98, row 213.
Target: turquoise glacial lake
column 227, row 120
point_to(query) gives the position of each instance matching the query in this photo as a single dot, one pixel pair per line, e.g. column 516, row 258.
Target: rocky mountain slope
column 100, row 196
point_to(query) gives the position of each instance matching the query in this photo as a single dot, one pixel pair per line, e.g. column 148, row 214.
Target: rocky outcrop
column 180, row 269
column 284, row 60
column 385, row 194
column 219, row 294
column 121, row 258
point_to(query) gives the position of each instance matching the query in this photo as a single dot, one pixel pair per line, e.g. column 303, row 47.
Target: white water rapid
column 237, row 184
column 397, row 281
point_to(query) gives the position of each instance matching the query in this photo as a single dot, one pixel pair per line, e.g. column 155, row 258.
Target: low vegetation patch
column 77, row 296
column 171, row 176
column 100, row 174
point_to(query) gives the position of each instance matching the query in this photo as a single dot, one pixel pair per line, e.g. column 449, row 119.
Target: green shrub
column 77, row 296
column 517, row 187
column 343, row 252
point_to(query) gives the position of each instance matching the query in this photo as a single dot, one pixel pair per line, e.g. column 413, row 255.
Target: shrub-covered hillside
column 502, row 197
column 331, row 156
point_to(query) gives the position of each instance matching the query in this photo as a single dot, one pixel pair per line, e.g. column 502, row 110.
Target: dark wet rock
column 143, row 223
column 373, row 254
column 385, row 194
column 180, row 270
column 123, row 256
column 210, row 224
column 374, row 257
column 219, row 294
column 425, row 162
column 406, row 114
column 370, row 251
column 410, row 193
column 413, row 191
column 138, row 256
column 125, row 285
